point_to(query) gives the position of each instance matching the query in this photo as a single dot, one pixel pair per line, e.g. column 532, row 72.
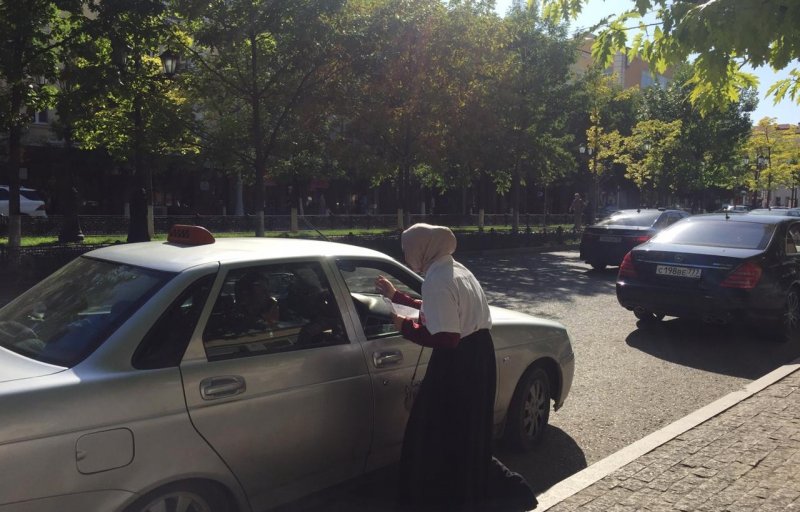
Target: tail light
column 626, row 268
column 745, row 276
column 40, row 207
column 641, row 239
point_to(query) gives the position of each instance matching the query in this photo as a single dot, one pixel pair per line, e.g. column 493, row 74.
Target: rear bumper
column 727, row 304
column 604, row 253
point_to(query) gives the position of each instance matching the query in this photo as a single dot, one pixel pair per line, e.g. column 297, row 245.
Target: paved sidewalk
column 740, row 453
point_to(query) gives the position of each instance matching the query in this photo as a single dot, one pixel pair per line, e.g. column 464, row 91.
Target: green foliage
column 722, row 34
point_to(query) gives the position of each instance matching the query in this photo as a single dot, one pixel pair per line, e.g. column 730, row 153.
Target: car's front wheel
column 529, row 411
column 183, row 497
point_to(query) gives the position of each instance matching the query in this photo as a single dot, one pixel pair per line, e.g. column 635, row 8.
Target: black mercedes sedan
column 718, row 267
column 608, row 241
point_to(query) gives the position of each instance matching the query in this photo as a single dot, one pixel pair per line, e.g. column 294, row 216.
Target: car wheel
column 648, row 316
column 183, row 497
column 529, row 410
column 790, row 323
column 598, row 266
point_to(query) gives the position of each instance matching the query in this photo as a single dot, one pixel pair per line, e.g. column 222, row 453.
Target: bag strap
column 419, row 358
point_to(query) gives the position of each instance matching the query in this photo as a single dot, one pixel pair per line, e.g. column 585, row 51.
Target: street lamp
column 141, row 224
column 590, row 150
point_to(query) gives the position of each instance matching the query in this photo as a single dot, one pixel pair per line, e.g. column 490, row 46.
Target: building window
column 41, row 117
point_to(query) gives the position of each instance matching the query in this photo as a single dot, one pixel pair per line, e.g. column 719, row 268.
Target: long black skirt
column 447, row 462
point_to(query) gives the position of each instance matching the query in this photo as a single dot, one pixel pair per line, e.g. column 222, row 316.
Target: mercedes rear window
column 718, row 233
column 642, row 219
column 32, row 195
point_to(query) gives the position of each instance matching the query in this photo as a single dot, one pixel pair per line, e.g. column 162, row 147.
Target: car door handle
column 221, row 387
column 386, row 358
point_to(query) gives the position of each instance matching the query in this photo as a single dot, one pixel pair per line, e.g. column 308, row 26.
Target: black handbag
column 412, row 388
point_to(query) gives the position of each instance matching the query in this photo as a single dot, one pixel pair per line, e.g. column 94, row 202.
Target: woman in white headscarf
column 447, row 462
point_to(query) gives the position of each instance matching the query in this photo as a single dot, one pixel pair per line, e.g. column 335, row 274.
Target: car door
column 390, row 357
column 285, row 398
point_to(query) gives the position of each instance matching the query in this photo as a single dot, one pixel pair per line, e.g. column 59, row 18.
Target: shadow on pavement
column 557, row 458
column 734, row 350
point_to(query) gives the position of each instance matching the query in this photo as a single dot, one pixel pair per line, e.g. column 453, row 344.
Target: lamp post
column 595, row 193
column 141, row 226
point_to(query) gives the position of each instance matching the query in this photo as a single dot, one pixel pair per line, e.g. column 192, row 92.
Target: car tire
column 598, row 266
column 185, row 496
column 529, row 411
column 789, row 328
column 648, row 316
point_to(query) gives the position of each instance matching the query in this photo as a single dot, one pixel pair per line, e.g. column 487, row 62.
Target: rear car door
column 286, row 399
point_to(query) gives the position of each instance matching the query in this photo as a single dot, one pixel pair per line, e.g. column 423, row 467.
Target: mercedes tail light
column 745, row 276
column 626, row 268
column 641, row 239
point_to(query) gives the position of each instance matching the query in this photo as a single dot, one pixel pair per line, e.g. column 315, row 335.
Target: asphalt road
column 630, row 379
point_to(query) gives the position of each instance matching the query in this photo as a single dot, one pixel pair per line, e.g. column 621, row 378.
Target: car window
column 273, row 308
column 68, row 315
column 631, row 218
column 33, row 195
column 793, row 239
column 4, row 194
column 375, row 314
column 163, row 346
column 722, row 233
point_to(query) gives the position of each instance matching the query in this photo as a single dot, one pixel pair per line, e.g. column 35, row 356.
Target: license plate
column 612, row 239
column 670, row 270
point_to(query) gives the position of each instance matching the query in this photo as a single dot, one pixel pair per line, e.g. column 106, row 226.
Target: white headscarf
column 425, row 243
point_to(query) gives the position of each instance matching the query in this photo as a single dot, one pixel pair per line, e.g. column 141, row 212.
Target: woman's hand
column 385, row 287
column 398, row 321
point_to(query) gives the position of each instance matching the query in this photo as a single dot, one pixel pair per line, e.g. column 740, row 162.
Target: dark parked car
column 608, row 241
column 719, row 268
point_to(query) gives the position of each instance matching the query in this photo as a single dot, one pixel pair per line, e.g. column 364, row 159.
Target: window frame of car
column 197, row 349
column 411, row 280
column 792, row 233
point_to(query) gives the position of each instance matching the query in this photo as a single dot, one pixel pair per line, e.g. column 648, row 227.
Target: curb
column 599, row 470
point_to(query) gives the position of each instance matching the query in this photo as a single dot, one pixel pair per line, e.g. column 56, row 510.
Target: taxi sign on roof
column 185, row 234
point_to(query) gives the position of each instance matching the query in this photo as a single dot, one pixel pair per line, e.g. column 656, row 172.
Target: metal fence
column 118, row 224
column 36, row 262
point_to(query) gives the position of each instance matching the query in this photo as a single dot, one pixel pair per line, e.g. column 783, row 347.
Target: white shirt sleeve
column 440, row 309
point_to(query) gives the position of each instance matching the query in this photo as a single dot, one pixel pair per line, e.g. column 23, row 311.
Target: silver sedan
column 233, row 374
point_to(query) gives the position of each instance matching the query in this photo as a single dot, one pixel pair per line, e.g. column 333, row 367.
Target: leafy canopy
column 722, row 36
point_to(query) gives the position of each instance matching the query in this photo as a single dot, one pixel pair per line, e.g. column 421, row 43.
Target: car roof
column 758, row 219
column 172, row 257
column 648, row 210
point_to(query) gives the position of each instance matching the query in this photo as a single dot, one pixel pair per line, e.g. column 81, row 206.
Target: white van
column 30, row 202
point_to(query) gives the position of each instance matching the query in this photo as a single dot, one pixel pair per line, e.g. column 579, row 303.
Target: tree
column 772, row 154
column 722, row 35
column 132, row 111
column 33, row 31
column 257, row 64
column 648, row 154
column 534, row 101
column 707, row 153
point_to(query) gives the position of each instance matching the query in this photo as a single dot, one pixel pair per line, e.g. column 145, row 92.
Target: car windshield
column 631, row 218
column 68, row 315
column 718, row 233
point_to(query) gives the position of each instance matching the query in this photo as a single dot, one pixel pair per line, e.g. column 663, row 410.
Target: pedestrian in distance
column 576, row 209
column 446, row 463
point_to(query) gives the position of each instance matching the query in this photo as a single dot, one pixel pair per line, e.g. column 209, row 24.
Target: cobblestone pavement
column 746, row 458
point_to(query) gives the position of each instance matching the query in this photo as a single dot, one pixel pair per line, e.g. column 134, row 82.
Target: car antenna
column 314, row 228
